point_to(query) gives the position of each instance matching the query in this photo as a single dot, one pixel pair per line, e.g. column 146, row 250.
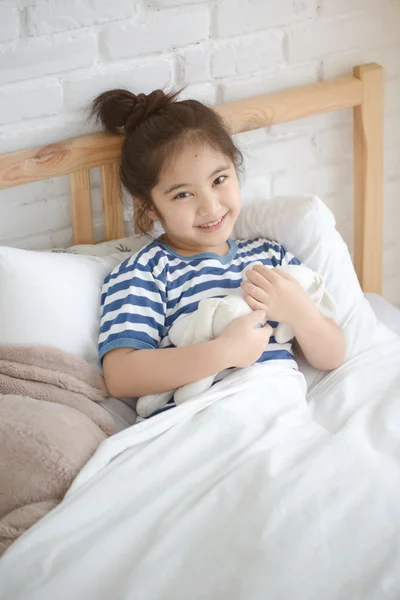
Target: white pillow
column 52, row 299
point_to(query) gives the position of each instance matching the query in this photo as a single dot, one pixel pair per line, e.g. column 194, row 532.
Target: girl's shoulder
column 151, row 259
column 258, row 244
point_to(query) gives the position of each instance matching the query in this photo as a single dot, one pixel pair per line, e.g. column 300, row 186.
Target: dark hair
column 155, row 126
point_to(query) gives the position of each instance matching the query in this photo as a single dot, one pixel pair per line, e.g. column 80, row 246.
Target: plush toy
column 214, row 314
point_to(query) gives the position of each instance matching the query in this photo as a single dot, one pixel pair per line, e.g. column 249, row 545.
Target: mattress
column 386, row 312
column 123, row 411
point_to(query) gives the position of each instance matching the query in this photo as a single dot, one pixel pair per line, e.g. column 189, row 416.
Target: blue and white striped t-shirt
column 144, row 295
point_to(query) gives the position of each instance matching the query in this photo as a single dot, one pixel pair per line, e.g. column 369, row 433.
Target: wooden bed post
column 368, row 179
column 81, row 206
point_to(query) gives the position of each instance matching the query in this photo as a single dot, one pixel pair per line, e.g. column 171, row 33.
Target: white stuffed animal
column 211, row 318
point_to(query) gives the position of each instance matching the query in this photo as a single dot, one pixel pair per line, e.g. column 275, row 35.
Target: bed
column 285, row 499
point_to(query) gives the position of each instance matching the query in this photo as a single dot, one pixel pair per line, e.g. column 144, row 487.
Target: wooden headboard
column 363, row 90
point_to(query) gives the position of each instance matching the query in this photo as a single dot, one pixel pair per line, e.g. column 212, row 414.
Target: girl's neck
column 221, row 249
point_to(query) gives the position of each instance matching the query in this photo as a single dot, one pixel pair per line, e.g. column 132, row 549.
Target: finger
column 255, row 292
column 259, row 279
column 266, row 272
column 257, row 316
column 256, row 306
column 267, row 330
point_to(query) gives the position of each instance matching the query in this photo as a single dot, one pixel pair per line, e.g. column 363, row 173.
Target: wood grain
column 113, row 213
column 81, row 206
column 78, row 154
column 368, row 179
column 280, row 107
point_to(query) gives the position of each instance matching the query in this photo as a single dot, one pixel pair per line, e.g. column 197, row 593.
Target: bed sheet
column 291, row 499
column 388, row 314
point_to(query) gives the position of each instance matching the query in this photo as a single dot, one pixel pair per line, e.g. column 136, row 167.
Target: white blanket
column 245, row 493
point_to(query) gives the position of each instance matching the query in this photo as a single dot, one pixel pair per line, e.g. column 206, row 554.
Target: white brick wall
column 57, row 55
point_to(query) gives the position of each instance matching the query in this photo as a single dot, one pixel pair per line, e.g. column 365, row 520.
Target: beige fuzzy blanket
column 50, row 425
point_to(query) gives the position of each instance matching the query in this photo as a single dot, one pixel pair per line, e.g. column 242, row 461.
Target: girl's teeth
column 212, row 224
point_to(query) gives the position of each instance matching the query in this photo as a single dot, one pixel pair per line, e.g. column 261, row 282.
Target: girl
column 180, row 164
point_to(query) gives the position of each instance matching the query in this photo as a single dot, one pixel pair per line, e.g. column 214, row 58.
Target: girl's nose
column 208, row 205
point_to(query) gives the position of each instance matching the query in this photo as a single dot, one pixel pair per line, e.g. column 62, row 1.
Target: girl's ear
column 151, row 213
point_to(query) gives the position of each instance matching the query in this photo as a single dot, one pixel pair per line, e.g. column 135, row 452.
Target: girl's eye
column 220, row 179
column 181, row 195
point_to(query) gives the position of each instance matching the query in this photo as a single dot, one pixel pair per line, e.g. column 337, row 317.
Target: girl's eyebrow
column 178, row 185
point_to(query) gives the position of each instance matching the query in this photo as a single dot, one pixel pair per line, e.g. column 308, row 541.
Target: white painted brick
column 63, row 15
column 203, row 92
column 239, row 88
column 81, row 89
column 392, row 95
column 392, row 132
column 247, row 138
column 322, row 181
column 333, row 144
column 391, row 212
column 35, row 218
column 36, row 242
column 161, row 31
column 25, row 194
column 169, row 3
column 346, row 231
column 42, row 131
column 24, row 101
column 391, row 290
column 311, row 125
column 255, row 189
column 391, row 159
column 391, row 259
column 194, row 64
column 332, row 8
column 258, row 52
column 329, row 36
column 245, row 16
column 295, row 153
column 25, row 3
column 8, row 23
column 343, row 63
column 44, row 56
column 341, row 205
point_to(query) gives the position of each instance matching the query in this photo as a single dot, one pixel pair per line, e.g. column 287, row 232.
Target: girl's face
column 197, row 201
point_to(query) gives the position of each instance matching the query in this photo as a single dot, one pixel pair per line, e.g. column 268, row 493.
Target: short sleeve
column 287, row 258
column 133, row 307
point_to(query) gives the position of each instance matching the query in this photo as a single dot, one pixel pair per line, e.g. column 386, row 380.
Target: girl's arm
column 284, row 300
column 320, row 340
column 132, row 373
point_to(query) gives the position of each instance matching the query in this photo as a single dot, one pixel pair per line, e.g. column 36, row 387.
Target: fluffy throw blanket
column 50, row 425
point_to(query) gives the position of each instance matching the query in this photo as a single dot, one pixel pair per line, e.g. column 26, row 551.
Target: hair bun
column 121, row 108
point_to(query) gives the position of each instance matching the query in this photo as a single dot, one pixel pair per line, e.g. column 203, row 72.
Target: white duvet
column 247, row 492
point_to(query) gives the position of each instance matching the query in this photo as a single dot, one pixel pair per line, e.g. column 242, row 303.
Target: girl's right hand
column 244, row 340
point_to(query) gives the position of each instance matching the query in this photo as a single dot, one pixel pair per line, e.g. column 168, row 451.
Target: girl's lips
column 215, row 227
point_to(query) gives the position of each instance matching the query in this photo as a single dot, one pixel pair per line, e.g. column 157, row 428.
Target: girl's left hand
column 280, row 295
